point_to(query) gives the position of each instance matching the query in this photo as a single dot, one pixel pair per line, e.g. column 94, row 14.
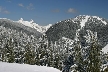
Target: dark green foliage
column 95, row 62
column 29, row 55
column 62, row 29
column 10, row 51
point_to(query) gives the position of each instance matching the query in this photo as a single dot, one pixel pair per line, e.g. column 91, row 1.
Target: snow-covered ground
column 105, row 49
column 13, row 67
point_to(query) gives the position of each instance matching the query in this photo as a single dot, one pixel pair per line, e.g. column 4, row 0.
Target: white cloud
column 3, row 10
column 30, row 6
column 71, row 10
column 9, row 1
column 21, row 5
column 6, row 12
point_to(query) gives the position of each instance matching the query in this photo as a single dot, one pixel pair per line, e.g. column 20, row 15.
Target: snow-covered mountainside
column 85, row 18
column 67, row 28
column 10, row 24
column 13, row 67
column 32, row 24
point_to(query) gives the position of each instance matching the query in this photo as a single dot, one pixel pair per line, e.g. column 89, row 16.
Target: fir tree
column 10, row 51
column 29, row 55
column 88, row 57
column 78, row 53
column 94, row 53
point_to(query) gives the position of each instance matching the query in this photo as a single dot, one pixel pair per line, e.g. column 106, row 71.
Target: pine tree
column 50, row 56
column 4, row 54
column 78, row 53
column 29, row 55
column 10, row 51
column 88, row 57
column 94, row 52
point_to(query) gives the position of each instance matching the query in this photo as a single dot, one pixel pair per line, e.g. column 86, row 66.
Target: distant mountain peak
column 84, row 18
column 21, row 19
column 31, row 21
column 32, row 24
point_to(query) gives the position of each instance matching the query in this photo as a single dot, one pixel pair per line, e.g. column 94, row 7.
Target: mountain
column 19, row 42
column 30, row 27
column 32, row 24
column 10, row 24
column 67, row 28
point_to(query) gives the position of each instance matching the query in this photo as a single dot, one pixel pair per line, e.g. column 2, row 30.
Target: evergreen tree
column 78, row 53
column 10, row 51
column 94, row 53
column 29, row 55
column 87, row 58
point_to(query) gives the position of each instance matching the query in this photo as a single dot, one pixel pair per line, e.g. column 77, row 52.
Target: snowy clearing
column 13, row 67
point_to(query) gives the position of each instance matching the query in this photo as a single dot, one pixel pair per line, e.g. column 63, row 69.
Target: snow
column 6, row 19
column 68, row 41
column 3, row 18
column 84, row 21
column 104, row 66
column 32, row 24
column 13, row 67
column 99, row 19
column 105, row 49
column 84, row 18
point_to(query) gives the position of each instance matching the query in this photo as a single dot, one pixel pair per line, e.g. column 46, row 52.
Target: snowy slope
column 105, row 49
column 41, row 29
column 13, row 67
column 84, row 18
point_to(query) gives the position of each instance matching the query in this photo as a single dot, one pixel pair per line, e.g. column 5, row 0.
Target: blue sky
column 46, row 12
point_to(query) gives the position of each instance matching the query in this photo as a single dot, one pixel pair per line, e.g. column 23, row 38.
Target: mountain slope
column 9, row 24
column 67, row 28
column 30, row 27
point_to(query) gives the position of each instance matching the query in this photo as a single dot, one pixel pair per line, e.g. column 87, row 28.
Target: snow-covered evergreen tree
column 87, row 58
column 94, row 52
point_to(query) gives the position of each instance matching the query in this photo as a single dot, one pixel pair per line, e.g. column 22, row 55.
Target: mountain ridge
column 10, row 24
column 67, row 28
column 32, row 24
